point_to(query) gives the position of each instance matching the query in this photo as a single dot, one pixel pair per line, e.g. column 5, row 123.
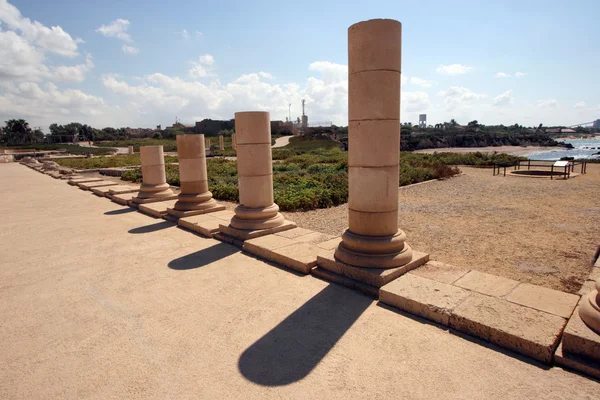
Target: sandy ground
column 533, row 230
column 511, row 150
column 101, row 302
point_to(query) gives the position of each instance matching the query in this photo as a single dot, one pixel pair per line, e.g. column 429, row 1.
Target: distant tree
column 453, row 122
column 17, row 131
column 157, row 135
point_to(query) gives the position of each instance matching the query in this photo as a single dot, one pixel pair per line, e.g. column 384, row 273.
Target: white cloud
column 504, row 99
column 199, row 34
column 502, row 75
column 20, row 59
column 185, row 34
column 420, row 82
column 75, row 73
column 549, row 103
column 131, row 50
column 116, row 29
column 520, row 74
column 459, row 97
column 580, row 104
column 54, row 39
column 453, row 69
column 413, row 102
column 202, row 68
column 266, row 75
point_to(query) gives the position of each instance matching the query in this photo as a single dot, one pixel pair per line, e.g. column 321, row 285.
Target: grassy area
column 105, row 162
column 168, row 144
column 70, row 148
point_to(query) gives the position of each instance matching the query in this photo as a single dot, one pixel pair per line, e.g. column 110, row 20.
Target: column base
column 589, row 310
column 137, row 200
column 367, row 280
column 245, row 234
column 176, row 214
column 374, row 251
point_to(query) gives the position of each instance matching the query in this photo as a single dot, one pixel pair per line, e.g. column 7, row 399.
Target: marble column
column 373, row 239
column 130, row 150
column 221, row 143
column 154, row 180
column 195, row 198
column 589, row 309
column 257, row 209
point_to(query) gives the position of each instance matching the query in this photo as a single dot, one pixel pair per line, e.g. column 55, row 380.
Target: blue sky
column 143, row 63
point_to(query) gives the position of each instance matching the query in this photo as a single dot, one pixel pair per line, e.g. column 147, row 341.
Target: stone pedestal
column 257, row 212
column 195, row 197
column 589, row 309
column 373, row 243
column 221, row 143
column 130, row 150
column 373, row 239
column 233, row 141
column 154, row 181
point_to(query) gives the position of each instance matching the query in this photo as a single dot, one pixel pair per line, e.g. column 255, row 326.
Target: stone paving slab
column 423, row 297
column 182, row 214
column 262, row 246
column 123, row 198
column 90, row 185
column 293, row 233
column 314, row 238
column 440, row 272
column 576, row 362
column 83, row 180
column 157, row 209
column 483, row 283
column 522, row 329
column 330, row 244
column 246, row 234
column 301, row 257
column 580, row 339
column 376, row 277
column 544, row 299
column 139, row 201
column 206, row 224
column 120, row 189
column 322, row 273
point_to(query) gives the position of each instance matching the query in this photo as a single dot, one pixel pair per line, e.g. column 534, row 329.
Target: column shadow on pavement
column 203, row 257
column 120, row 211
column 291, row 350
column 152, row 228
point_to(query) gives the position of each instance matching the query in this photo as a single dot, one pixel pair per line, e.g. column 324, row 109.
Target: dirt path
column 281, row 141
column 532, row 230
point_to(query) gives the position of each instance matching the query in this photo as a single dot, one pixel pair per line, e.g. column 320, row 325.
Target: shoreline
column 510, row 150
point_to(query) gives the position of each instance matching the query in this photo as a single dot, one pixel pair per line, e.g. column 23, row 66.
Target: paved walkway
column 99, row 301
column 281, row 141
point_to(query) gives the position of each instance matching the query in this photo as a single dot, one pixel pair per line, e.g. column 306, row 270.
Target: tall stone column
column 589, row 309
column 207, row 143
column 233, row 141
column 221, row 143
column 195, row 198
column 154, row 180
column 130, row 150
column 373, row 239
column 257, row 215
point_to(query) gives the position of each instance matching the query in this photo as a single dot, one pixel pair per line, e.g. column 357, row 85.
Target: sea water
column 582, row 149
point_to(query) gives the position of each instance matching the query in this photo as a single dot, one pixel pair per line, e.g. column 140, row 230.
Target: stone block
column 440, row 272
column 576, row 362
column 101, row 191
column 321, row 273
column 262, row 246
column 120, row 189
column 123, row 198
column 206, row 225
column 156, row 209
column 314, row 238
column 376, row 277
column 246, row 234
column 491, row 285
column 373, row 189
column 182, row 214
column 587, row 287
column 83, row 180
column 522, row 329
column 543, row 299
column 423, row 297
column 301, row 257
column 330, row 244
column 90, row 185
column 580, row 339
column 294, row 233
column 139, row 201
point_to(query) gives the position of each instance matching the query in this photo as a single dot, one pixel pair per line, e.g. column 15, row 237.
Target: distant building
column 211, row 127
column 597, row 124
column 422, row 120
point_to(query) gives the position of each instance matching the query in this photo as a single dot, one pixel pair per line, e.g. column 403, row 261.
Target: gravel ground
column 534, row 230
